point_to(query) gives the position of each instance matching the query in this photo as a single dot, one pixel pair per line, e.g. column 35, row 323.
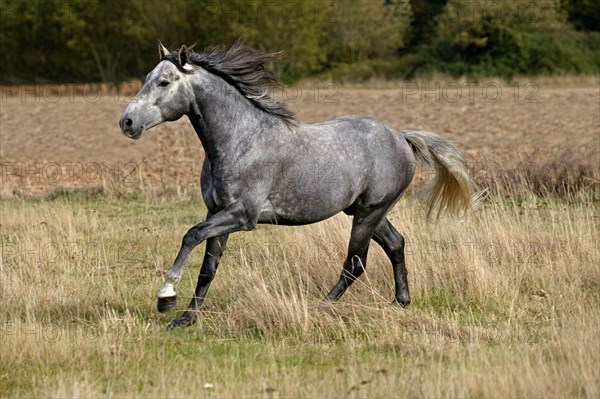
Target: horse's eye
column 164, row 83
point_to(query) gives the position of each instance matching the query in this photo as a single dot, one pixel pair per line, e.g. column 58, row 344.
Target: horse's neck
column 222, row 117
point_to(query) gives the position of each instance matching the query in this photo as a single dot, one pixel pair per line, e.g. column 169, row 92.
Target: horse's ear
column 162, row 51
column 183, row 56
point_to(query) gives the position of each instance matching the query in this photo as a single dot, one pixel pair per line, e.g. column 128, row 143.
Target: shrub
column 505, row 38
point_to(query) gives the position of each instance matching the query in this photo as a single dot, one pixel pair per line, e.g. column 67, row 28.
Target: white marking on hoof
column 167, row 291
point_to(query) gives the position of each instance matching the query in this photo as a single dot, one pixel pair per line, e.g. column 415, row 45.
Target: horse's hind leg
column 356, row 261
column 392, row 243
column 214, row 249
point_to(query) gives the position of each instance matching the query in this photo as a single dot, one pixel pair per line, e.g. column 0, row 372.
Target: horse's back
column 381, row 144
column 367, row 131
column 380, row 152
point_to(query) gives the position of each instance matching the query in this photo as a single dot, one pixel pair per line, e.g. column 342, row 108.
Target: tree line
column 115, row 40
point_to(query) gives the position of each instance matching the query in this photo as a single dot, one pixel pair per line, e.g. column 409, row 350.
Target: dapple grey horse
column 365, row 165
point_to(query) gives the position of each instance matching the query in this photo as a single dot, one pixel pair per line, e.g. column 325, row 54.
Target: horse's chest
column 218, row 188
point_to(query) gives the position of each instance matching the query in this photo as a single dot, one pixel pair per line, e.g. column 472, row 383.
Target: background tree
column 422, row 26
column 507, row 37
column 358, row 30
column 115, row 40
column 584, row 15
column 106, row 33
column 279, row 25
column 32, row 42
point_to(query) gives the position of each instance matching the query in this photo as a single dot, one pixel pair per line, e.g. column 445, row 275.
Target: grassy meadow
column 505, row 303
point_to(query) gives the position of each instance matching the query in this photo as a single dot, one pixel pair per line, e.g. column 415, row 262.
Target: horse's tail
column 452, row 188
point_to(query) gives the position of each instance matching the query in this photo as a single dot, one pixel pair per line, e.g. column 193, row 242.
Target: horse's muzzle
column 128, row 129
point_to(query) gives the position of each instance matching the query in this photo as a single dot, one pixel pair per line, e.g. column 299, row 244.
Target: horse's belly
column 301, row 210
column 293, row 219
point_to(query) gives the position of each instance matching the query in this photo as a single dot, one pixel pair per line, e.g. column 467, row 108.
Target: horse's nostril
column 128, row 122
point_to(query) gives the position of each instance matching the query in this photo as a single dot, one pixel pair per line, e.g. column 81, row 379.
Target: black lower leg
column 358, row 248
column 353, row 267
column 214, row 249
column 392, row 243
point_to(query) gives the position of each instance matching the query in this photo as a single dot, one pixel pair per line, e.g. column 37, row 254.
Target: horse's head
column 165, row 96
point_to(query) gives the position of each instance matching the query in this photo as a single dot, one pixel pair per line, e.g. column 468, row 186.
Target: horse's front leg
column 235, row 217
column 214, row 249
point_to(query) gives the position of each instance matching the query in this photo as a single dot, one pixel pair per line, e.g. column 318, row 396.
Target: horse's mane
column 245, row 69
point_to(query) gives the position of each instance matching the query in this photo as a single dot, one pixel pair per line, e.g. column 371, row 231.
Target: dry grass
column 505, row 304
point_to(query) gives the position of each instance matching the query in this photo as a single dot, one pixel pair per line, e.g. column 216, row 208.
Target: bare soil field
column 58, row 137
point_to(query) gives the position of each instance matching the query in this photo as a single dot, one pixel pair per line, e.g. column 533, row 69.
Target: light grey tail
column 452, row 188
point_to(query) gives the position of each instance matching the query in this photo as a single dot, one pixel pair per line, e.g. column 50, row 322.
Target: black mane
column 244, row 68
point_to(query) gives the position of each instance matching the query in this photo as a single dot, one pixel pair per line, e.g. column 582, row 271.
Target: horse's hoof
column 185, row 320
column 403, row 303
column 167, row 303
